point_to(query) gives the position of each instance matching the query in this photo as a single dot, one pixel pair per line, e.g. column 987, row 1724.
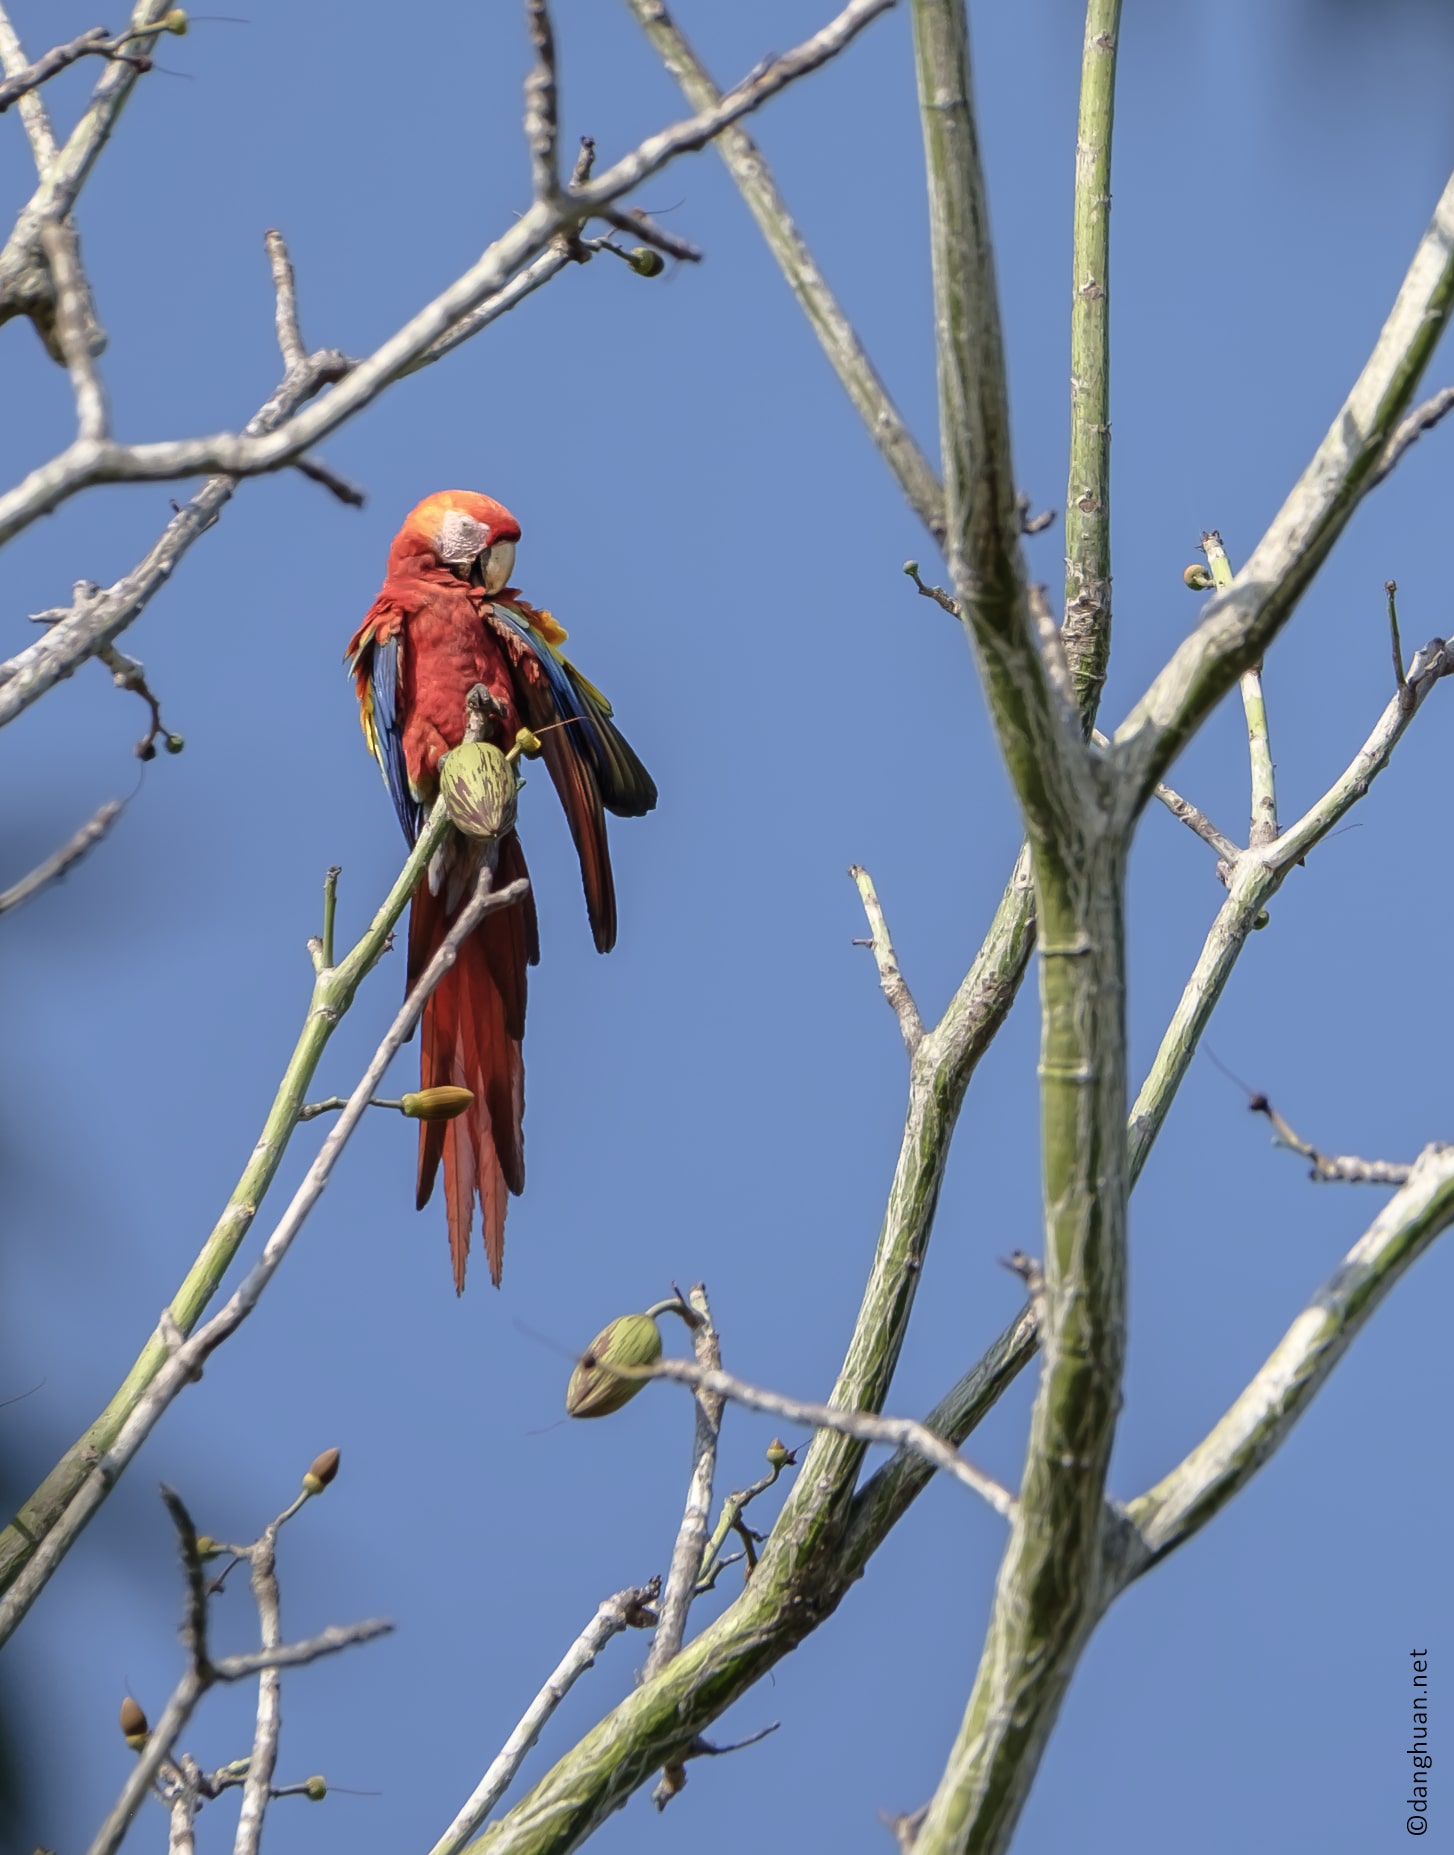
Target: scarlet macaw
column 444, row 621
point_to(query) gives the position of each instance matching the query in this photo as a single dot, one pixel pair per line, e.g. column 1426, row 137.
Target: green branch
column 1088, row 487
column 333, row 993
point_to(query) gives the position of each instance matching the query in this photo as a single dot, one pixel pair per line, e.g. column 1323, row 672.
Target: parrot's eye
column 496, row 565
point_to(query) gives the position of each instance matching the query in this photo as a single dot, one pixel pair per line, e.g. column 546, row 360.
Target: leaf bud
column 595, row 1390
column 646, row 262
column 133, row 1724
column 437, row 1104
column 321, row 1471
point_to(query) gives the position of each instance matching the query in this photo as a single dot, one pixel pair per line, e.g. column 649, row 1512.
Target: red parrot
column 445, row 620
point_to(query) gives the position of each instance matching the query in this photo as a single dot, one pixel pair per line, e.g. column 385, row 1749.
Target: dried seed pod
column 478, row 785
column 321, row 1471
column 133, row 1724
column 595, row 1390
column 438, row 1104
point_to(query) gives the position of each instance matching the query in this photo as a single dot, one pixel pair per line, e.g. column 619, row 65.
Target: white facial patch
column 460, row 538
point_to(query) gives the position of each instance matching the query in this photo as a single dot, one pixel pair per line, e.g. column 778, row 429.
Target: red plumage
column 443, row 622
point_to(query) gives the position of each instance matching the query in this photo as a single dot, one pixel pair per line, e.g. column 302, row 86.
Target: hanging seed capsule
column 595, row 1390
column 478, row 785
column 438, row 1104
column 315, row 1790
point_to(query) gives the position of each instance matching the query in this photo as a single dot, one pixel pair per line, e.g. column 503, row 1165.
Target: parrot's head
column 474, row 536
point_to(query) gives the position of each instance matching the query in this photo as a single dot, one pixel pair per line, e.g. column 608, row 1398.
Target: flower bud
column 478, row 784
column 595, row 1390
column 175, row 21
column 315, row 1790
column 175, row 743
column 321, row 1471
column 133, row 1724
column 207, row 1547
column 526, row 743
column 1198, row 579
column 439, row 1104
column 779, row 1456
column 646, row 262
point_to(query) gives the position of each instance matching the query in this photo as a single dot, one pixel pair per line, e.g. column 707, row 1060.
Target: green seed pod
column 175, row 21
column 175, row 743
column 207, row 1547
column 646, row 262
column 1198, row 579
column 438, row 1104
column 478, row 785
column 315, row 1790
column 321, row 1471
column 133, row 1724
column 594, row 1389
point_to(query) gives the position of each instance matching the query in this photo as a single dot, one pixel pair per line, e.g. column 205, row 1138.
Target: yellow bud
column 315, row 1790
column 321, row 1471
column 441, row 1104
column 778, row 1454
column 133, row 1724
column 1198, row 579
column 594, row 1389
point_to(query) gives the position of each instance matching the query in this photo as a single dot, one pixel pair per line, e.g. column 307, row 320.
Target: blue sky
column 721, row 1098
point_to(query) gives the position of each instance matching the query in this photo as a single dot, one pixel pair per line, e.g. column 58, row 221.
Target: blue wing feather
column 384, row 669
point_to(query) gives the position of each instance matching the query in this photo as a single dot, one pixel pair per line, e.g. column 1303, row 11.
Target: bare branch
column 1263, row 827
column 1335, row 1167
column 59, row 861
column 895, row 986
column 94, row 40
column 541, row 128
column 248, row 454
column 317, row 471
column 1411, row 428
column 628, row 1609
column 1260, row 1420
column 691, row 1540
column 867, row 1426
column 836, row 336
column 74, row 328
column 285, row 291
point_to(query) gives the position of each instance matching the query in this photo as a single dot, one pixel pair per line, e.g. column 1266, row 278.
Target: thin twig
column 867, row 1426
column 1254, row 705
column 75, row 328
column 92, row 41
column 264, row 1758
column 317, row 471
column 1337, row 1167
column 541, row 104
column 1400, row 680
column 628, row 1609
column 285, row 293
column 895, row 986
column 686, row 1558
column 1193, row 819
column 59, row 861
column 1410, row 429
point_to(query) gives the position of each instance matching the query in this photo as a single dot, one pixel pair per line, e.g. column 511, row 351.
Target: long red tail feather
column 470, row 1038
